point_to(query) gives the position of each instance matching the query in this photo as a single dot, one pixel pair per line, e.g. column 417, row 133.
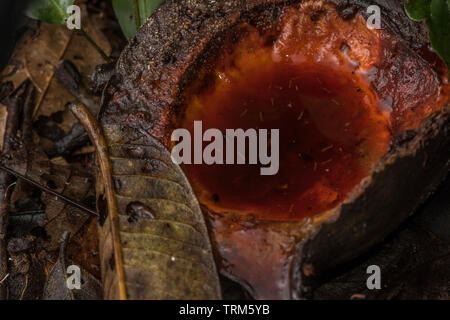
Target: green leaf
column 51, row 11
column 124, row 10
column 436, row 14
column 418, row 9
column 439, row 29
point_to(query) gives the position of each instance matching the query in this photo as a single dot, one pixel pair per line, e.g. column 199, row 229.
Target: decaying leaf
column 50, row 214
column 35, row 215
column 26, row 269
column 15, row 104
column 62, row 216
column 56, row 287
column 27, row 205
column 54, row 42
column 29, row 159
column 153, row 239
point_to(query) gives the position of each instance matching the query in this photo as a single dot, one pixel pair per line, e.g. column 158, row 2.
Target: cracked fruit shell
column 363, row 117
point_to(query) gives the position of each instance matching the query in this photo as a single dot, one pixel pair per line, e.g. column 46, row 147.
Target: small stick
column 95, row 45
column 57, row 194
column 98, row 140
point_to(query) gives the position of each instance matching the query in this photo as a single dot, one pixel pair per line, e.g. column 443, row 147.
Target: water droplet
column 136, row 152
column 137, row 211
column 117, row 183
column 149, row 166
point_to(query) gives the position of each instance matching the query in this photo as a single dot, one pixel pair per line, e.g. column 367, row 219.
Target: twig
column 95, row 45
column 25, row 287
column 98, row 140
column 50, row 191
column 4, row 278
column 27, row 213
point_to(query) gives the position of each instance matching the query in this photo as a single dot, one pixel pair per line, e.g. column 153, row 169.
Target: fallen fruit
column 371, row 108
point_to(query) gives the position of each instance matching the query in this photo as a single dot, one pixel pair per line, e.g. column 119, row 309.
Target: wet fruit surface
column 330, row 135
column 207, row 68
column 332, row 129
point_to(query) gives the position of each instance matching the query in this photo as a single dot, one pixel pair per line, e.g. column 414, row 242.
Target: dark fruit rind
column 399, row 184
column 163, row 58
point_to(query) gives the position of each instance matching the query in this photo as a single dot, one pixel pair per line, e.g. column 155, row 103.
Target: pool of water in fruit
column 330, row 135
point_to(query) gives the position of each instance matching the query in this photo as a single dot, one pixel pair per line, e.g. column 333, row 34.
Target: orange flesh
column 309, row 83
column 330, row 135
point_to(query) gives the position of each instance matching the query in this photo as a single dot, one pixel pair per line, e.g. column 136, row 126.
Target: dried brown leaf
column 39, row 51
column 153, row 243
column 56, row 286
